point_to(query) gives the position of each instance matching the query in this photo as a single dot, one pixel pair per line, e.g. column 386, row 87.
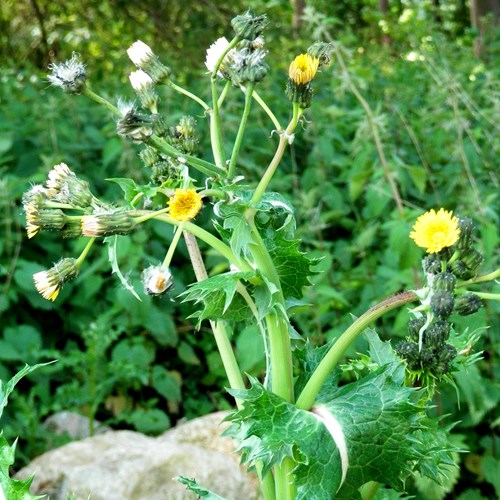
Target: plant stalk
column 335, row 353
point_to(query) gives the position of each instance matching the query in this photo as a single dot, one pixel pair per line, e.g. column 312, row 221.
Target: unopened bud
column 442, row 303
column 249, row 27
column 444, row 281
column 466, row 227
column 468, row 303
column 100, row 225
column 472, row 259
column 431, row 264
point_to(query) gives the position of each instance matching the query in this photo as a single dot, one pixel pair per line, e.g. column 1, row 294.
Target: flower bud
column 70, row 75
column 45, row 218
column 64, row 186
column 157, row 280
column 431, row 264
column 149, row 156
column 248, row 66
column 321, row 51
column 72, row 229
column 437, row 334
column 96, row 226
column 444, row 281
column 49, row 283
column 459, row 269
column 472, row 259
column 468, row 303
column 466, row 226
column 301, row 94
column 249, row 27
column 414, row 326
column 442, row 303
column 443, row 359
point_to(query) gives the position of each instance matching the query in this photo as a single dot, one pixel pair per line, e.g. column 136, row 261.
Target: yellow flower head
column 436, row 230
column 184, row 204
column 303, row 69
column 49, row 283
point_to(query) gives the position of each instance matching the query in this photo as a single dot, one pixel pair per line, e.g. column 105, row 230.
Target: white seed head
column 140, row 79
column 139, row 53
column 215, row 51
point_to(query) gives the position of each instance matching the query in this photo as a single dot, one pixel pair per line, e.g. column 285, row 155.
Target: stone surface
column 74, row 425
column 126, row 465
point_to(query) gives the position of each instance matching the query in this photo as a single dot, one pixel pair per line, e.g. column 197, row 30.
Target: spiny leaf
column 292, row 265
column 376, row 416
column 219, row 298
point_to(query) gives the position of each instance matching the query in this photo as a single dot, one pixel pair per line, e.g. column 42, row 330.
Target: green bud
column 443, row 359
column 444, row 281
column 100, row 225
column 51, row 218
column 472, row 259
column 414, row 326
column 149, row 156
column 247, row 26
column 459, row 269
column 437, row 334
column 466, row 227
column 442, row 303
column 322, row 51
column 468, row 303
column 431, row 264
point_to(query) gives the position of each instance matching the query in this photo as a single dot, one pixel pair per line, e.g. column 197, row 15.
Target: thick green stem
column 241, row 131
column 223, row 94
column 203, row 166
column 334, row 355
column 171, row 249
column 192, row 96
column 487, row 296
column 271, row 169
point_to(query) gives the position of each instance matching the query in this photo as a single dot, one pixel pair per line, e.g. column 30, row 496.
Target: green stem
column 192, row 96
column 266, row 108
column 488, row 296
column 284, row 136
column 85, row 251
column 223, row 94
column 215, row 124
column 241, row 131
column 335, row 353
column 221, row 336
column 173, row 245
column 209, row 239
column 203, row 166
column 480, row 279
column 97, row 98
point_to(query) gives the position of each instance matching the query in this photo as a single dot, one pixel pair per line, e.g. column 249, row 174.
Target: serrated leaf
column 219, row 298
column 380, row 352
column 193, row 486
column 112, row 242
column 292, row 265
column 381, row 421
column 6, row 389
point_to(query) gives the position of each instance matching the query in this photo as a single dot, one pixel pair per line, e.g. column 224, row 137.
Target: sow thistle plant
column 304, row 435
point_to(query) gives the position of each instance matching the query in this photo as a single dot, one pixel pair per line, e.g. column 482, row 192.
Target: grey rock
column 74, row 425
column 126, row 465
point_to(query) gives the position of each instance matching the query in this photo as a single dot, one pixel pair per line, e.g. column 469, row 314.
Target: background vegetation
column 414, row 98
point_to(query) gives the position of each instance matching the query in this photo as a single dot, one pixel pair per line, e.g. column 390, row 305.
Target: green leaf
column 6, row 389
column 292, row 265
column 193, row 486
column 131, row 189
column 219, row 298
column 166, row 384
column 375, row 415
column 149, row 421
column 491, row 466
column 11, row 488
